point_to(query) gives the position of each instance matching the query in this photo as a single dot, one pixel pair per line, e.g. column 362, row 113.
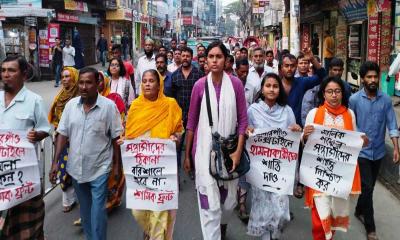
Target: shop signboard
column 121, row 14
column 65, row 17
column 385, row 40
column 53, row 33
column 21, row 3
column 187, row 20
column 75, row 5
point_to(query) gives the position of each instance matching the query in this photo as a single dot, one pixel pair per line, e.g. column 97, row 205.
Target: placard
column 273, row 158
column 19, row 170
column 151, row 171
column 329, row 160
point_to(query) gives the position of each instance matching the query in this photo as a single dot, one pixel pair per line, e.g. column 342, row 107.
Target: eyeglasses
column 331, row 91
column 114, row 65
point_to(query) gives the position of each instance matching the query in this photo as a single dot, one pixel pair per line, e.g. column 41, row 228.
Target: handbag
column 220, row 161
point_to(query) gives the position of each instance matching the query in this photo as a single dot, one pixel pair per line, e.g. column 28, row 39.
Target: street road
column 121, row 224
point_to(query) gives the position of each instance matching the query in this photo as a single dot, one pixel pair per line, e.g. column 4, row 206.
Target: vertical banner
column 385, row 40
column 151, row 171
column 44, row 50
column 19, row 170
column 305, row 36
column 373, row 37
column 273, row 159
column 294, row 27
column 329, row 160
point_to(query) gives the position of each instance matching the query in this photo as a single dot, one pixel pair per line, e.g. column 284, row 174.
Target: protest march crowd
column 254, row 124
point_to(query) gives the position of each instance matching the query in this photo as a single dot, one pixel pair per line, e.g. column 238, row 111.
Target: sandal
column 299, row 191
column 69, row 208
column 372, row 236
column 241, row 207
column 78, row 222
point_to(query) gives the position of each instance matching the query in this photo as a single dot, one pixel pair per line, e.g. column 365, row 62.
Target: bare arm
column 61, row 142
column 189, row 145
column 395, row 141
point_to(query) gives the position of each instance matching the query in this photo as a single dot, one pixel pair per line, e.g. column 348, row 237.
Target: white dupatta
column 224, row 116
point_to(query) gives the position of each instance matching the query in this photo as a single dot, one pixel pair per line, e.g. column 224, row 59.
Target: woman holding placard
column 271, row 110
column 329, row 213
column 153, row 115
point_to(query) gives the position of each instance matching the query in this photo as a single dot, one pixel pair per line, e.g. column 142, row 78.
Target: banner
column 19, row 170
column 329, row 160
column 44, row 50
column 151, row 171
column 273, row 159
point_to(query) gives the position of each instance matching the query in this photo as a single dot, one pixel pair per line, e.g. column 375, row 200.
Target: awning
column 26, row 12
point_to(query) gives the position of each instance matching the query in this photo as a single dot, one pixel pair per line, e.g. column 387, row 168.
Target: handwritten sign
column 329, row 160
column 19, row 170
column 150, row 169
column 273, row 158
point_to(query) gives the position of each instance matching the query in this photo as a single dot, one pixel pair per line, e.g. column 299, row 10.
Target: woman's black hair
column 282, row 98
column 322, row 87
column 154, row 72
column 219, row 45
column 122, row 70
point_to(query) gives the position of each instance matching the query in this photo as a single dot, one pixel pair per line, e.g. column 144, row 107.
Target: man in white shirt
column 146, row 62
column 68, row 54
column 177, row 61
column 256, row 74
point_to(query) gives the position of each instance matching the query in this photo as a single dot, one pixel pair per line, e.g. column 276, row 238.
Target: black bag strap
column 208, row 104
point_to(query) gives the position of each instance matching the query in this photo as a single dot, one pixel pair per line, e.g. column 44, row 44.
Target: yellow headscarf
column 63, row 97
column 162, row 117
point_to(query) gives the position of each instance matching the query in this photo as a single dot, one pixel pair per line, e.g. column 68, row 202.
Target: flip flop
column 69, row 208
column 372, row 236
column 299, row 192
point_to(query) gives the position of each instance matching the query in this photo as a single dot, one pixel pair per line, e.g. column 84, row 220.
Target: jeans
column 125, row 51
column 369, row 172
column 58, row 73
column 103, row 58
column 92, row 197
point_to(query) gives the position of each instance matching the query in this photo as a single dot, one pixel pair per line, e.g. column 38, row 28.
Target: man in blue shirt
column 161, row 64
column 296, row 87
column 374, row 113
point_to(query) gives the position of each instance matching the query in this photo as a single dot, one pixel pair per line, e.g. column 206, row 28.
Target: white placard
column 19, row 170
column 329, row 160
column 273, row 159
column 150, row 169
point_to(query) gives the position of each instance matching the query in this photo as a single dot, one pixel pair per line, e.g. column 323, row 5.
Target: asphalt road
column 121, row 224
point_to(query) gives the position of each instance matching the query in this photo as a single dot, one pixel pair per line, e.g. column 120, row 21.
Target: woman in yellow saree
column 154, row 115
column 69, row 80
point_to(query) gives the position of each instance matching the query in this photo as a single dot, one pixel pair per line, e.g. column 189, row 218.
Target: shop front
column 20, row 28
column 118, row 22
column 81, row 29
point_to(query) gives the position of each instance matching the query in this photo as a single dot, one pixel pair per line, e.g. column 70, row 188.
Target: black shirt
column 57, row 56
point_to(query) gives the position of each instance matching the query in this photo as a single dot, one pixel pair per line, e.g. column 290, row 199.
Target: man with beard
column 22, row 110
column 162, row 50
column 161, row 64
column 146, row 62
column 183, row 80
column 374, row 113
column 92, row 123
column 177, row 61
column 271, row 64
column 256, row 73
column 201, row 50
column 296, row 87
